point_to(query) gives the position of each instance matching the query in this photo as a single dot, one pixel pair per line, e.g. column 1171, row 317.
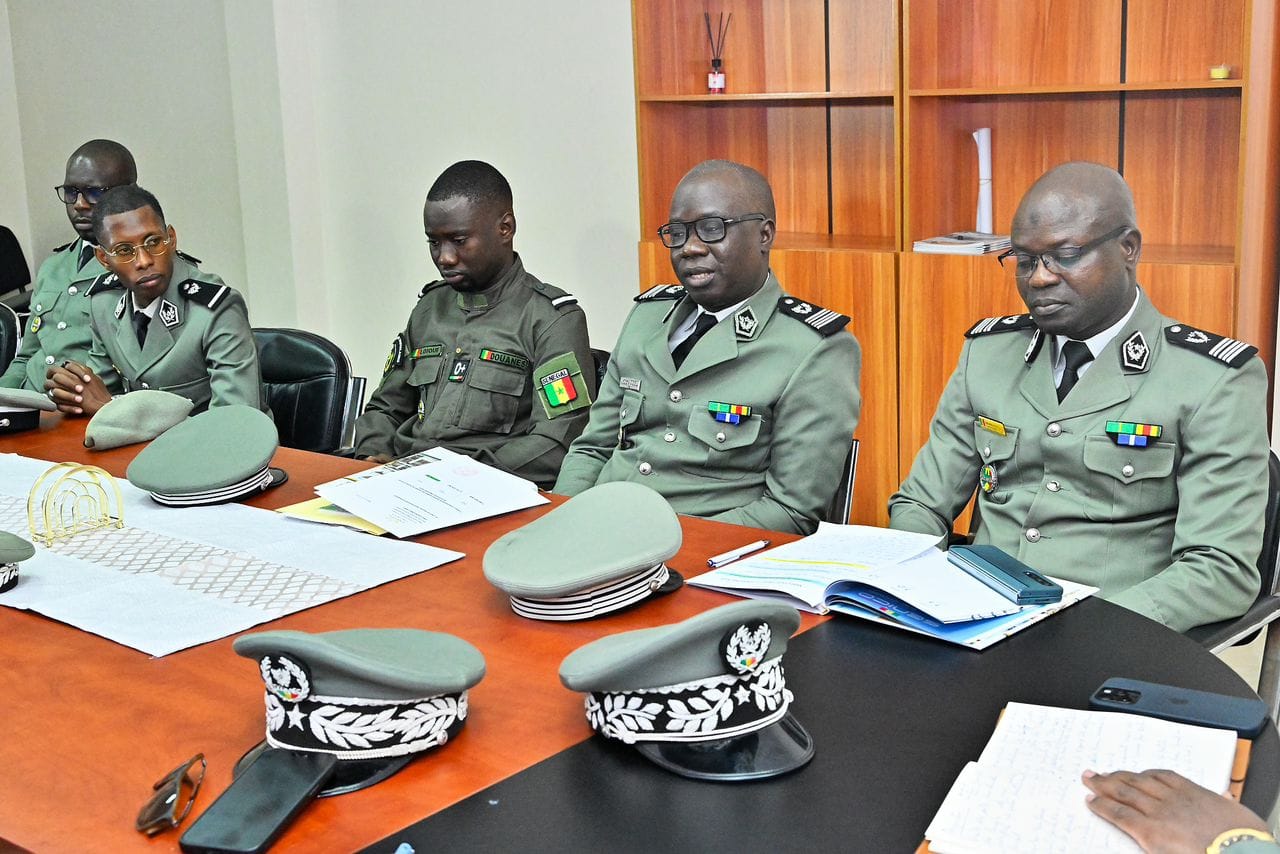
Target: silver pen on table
column 730, row 556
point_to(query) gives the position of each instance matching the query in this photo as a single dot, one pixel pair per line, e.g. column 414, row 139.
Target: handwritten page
column 1024, row 793
column 448, row 490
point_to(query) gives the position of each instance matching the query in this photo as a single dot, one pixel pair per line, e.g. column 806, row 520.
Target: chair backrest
column 602, row 364
column 309, row 387
column 1271, row 531
column 841, row 504
column 10, row 334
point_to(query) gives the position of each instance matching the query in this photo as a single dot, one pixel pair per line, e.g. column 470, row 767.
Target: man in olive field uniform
column 728, row 397
column 1110, row 445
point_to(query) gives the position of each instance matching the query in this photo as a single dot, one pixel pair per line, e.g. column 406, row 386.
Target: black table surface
column 894, row 716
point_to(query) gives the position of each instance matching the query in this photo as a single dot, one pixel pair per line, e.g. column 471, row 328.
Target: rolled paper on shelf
column 982, row 136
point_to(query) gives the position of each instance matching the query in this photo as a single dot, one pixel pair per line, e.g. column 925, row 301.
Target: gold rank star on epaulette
column 1228, row 351
column 1006, row 323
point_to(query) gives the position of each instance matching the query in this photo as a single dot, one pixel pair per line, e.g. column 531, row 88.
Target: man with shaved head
column 730, row 398
column 1109, row 444
column 58, row 329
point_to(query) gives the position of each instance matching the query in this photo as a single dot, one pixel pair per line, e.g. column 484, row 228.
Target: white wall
column 292, row 142
column 13, row 184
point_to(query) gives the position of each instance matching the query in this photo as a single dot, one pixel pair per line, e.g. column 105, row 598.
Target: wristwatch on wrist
column 1228, row 838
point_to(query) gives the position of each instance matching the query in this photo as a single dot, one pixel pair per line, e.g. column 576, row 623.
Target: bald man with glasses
column 1108, row 444
column 58, row 327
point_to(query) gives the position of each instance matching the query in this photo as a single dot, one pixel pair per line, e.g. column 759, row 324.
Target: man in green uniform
column 1111, row 445
column 58, row 328
column 172, row 328
column 493, row 363
column 730, row 398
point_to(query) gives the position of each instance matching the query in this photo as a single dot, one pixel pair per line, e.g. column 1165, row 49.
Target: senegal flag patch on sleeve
column 559, row 385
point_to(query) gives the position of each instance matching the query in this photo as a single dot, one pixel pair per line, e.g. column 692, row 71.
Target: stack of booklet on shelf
column 963, row 243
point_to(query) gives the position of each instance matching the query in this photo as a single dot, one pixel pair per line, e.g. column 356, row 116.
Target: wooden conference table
column 89, row 725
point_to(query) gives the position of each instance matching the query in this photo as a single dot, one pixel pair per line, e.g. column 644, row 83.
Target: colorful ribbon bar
column 728, row 413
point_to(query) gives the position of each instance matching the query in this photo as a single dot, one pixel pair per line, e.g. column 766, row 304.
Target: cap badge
column 286, row 678
column 745, row 647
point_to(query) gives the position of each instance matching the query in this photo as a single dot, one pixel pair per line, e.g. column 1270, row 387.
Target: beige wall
column 292, row 142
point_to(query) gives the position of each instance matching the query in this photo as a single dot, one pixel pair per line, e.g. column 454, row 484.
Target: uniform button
column 720, row 437
column 39, row 307
column 1052, row 486
column 1054, row 430
column 675, row 395
column 986, row 452
column 1127, row 471
column 1033, row 535
column 72, row 290
column 644, row 468
column 144, row 385
column 62, row 324
column 48, row 360
column 668, row 437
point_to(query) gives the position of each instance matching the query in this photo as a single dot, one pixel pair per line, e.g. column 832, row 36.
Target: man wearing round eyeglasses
column 58, row 327
column 728, row 397
column 158, row 321
column 1108, row 444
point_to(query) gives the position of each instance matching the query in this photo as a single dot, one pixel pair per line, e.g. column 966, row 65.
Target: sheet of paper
column 903, row 564
column 448, row 490
column 173, row 578
column 325, row 512
column 1025, row 794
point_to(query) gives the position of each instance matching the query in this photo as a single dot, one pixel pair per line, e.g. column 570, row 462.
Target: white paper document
column 173, row 578
column 448, row 490
column 1025, row 794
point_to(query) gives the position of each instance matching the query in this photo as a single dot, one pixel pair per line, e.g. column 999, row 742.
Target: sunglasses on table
column 174, row 794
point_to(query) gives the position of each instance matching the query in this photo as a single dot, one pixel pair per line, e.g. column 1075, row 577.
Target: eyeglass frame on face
column 90, row 194
column 695, row 227
column 154, row 245
column 150, row 820
column 1053, row 260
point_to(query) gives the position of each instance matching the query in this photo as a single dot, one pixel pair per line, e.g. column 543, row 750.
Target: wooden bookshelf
column 861, row 112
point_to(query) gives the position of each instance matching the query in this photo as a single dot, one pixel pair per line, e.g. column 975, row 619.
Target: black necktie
column 140, row 323
column 86, row 252
column 701, row 327
column 1077, row 354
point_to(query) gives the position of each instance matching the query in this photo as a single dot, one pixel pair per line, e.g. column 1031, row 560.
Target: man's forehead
column 142, row 219
column 453, row 213
column 708, row 195
column 1054, row 216
column 88, row 169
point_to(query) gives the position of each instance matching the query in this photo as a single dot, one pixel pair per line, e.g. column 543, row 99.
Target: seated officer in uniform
column 1111, row 445
column 732, row 399
column 58, row 328
column 158, row 322
column 493, row 363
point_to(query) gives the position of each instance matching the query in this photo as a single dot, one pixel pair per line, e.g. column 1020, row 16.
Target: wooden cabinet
column 860, row 112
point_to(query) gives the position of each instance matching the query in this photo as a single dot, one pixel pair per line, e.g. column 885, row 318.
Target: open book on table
column 891, row 577
column 1024, row 793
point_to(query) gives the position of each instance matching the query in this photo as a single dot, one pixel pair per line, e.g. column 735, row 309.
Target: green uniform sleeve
column 942, row 478
column 814, row 421
column 16, row 374
column 392, row 403
column 98, row 360
column 231, row 357
column 538, row 454
column 591, row 450
column 1222, row 496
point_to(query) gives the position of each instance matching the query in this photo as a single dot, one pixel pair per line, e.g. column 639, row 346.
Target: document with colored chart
column 895, row 578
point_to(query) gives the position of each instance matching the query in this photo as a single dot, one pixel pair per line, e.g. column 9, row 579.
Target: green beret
column 13, row 550
column 220, row 455
column 582, row 560
column 363, row 693
column 138, row 416
column 704, row 698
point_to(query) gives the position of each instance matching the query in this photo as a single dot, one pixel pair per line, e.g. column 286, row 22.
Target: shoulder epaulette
column 558, row 297
column 63, row 246
column 207, row 294
column 1007, row 323
column 1228, row 351
column 667, row 292
column 824, row 320
column 104, row 282
column 190, row 258
column 430, row 286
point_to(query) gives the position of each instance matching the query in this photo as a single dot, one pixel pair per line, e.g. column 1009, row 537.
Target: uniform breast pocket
column 493, row 398
column 996, row 452
column 723, row 451
column 1126, row 482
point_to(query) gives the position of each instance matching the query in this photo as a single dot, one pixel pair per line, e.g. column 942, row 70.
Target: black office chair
column 602, row 364
column 841, row 504
column 312, row 394
column 15, row 275
column 1216, row 637
column 10, row 335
